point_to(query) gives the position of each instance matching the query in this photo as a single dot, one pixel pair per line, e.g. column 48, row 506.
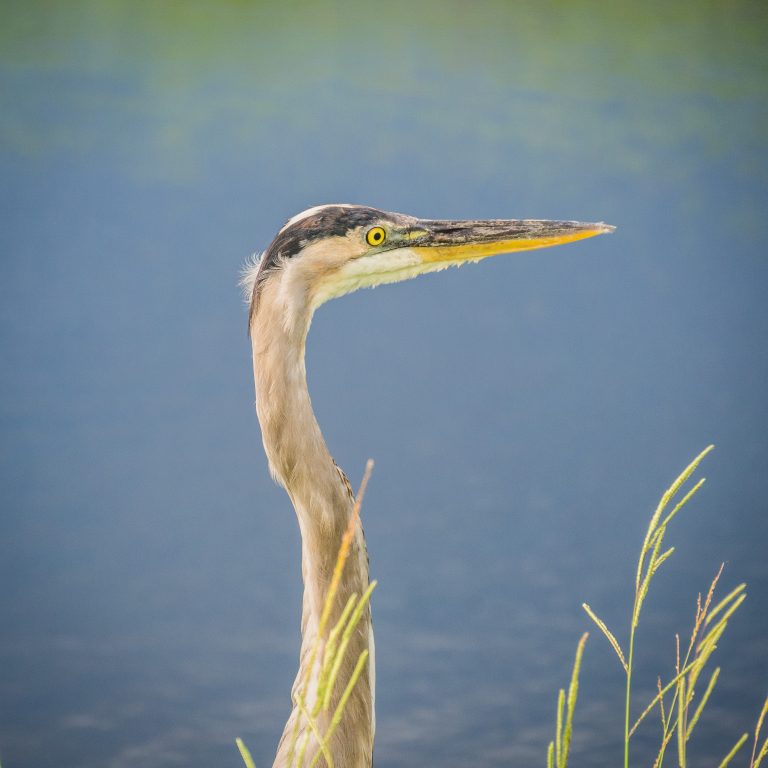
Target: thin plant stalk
column 645, row 571
column 559, row 749
column 651, row 558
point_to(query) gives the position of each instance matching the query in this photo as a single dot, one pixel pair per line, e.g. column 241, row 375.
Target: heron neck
column 300, row 461
column 298, row 456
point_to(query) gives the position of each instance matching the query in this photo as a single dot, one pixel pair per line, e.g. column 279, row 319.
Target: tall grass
column 679, row 709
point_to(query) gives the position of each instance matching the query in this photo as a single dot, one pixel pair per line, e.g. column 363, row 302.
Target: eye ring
column 375, row 236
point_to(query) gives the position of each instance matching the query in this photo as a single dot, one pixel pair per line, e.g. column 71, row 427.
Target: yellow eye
column 376, row 236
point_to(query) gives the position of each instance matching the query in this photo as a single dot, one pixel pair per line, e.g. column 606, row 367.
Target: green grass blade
column 673, row 682
column 736, row 747
column 333, row 635
column 661, row 559
column 551, row 755
column 657, row 763
column 559, row 727
column 662, row 714
column 302, row 751
column 688, row 471
column 717, row 630
column 758, row 727
column 573, row 692
column 680, row 504
column 724, row 602
column 681, row 722
column 315, row 728
column 244, row 753
column 641, row 594
column 608, row 634
column 702, row 703
column 665, row 499
column 763, row 753
column 351, row 624
column 329, row 656
column 339, row 711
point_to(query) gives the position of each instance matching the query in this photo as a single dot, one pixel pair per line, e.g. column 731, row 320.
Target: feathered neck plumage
column 300, row 461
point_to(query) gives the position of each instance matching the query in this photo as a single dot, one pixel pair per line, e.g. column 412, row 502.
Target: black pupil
column 377, row 235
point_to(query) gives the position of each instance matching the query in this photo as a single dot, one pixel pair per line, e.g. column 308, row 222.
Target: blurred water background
column 525, row 414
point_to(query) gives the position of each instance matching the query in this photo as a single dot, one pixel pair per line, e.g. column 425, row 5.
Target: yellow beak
column 458, row 241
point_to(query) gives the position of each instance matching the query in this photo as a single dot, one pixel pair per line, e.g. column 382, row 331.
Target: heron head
column 331, row 250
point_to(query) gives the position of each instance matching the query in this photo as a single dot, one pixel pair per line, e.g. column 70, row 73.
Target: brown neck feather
column 300, row 462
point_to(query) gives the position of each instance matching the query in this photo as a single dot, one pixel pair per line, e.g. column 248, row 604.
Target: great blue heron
column 320, row 254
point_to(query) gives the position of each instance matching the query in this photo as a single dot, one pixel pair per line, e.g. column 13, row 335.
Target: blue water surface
column 525, row 414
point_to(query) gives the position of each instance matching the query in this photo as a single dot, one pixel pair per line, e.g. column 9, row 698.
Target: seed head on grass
column 559, row 749
column 681, row 715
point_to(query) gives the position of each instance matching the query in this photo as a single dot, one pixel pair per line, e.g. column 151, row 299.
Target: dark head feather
column 329, row 221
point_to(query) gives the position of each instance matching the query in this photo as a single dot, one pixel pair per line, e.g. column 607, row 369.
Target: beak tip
column 605, row 229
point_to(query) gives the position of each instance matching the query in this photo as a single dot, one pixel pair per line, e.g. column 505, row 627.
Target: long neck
column 300, row 462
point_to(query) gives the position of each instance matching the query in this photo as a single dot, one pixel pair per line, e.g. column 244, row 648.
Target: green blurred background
column 524, row 414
